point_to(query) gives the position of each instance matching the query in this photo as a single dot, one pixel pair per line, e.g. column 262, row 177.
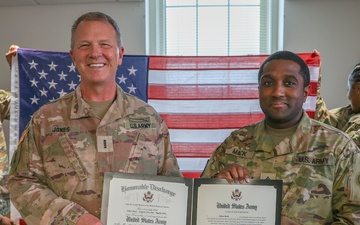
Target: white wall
column 332, row 27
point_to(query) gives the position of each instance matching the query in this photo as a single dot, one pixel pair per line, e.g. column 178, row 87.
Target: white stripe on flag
column 215, row 106
column 314, row 73
column 206, row 106
column 198, row 77
column 199, row 136
column 192, row 164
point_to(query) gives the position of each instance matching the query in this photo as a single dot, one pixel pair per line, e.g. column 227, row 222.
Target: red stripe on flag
column 311, row 114
column 205, row 62
column 193, row 150
column 311, row 59
column 313, row 89
column 191, row 174
column 210, row 121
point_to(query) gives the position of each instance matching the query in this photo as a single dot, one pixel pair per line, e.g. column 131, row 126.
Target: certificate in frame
column 256, row 202
column 147, row 199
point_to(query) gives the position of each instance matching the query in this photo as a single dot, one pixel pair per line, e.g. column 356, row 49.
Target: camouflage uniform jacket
column 4, row 114
column 57, row 170
column 319, row 166
column 343, row 118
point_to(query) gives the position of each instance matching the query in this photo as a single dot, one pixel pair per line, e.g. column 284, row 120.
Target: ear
column 306, row 92
column 72, row 57
column 121, row 55
column 357, row 88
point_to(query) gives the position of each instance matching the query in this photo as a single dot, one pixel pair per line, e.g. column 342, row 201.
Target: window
column 213, row 27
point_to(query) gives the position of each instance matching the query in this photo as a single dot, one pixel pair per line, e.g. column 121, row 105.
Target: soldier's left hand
column 234, row 173
column 7, row 221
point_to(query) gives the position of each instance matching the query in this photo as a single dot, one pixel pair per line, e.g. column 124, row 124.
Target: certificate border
column 108, row 176
column 277, row 184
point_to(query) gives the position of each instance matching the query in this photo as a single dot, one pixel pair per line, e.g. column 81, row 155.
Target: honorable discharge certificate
column 134, row 201
column 236, row 204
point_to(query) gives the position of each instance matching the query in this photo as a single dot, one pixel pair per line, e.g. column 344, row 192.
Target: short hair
column 287, row 55
column 96, row 16
column 355, row 74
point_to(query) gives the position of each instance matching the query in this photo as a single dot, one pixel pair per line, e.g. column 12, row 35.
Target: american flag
column 43, row 76
column 204, row 98
column 201, row 99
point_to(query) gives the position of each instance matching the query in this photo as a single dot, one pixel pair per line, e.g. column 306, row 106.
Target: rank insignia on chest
column 105, row 144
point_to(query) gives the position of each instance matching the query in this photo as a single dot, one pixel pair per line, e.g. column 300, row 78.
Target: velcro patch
column 242, row 153
column 314, row 160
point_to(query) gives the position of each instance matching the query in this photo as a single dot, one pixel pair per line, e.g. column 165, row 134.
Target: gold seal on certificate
column 134, row 199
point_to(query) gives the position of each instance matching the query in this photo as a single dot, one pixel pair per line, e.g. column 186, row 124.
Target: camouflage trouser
column 4, row 207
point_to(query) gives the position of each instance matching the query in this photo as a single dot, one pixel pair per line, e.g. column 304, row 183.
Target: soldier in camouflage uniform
column 4, row 193
column 57, row 171
column 318, row 164
column 4, row 159
column 346, row 118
